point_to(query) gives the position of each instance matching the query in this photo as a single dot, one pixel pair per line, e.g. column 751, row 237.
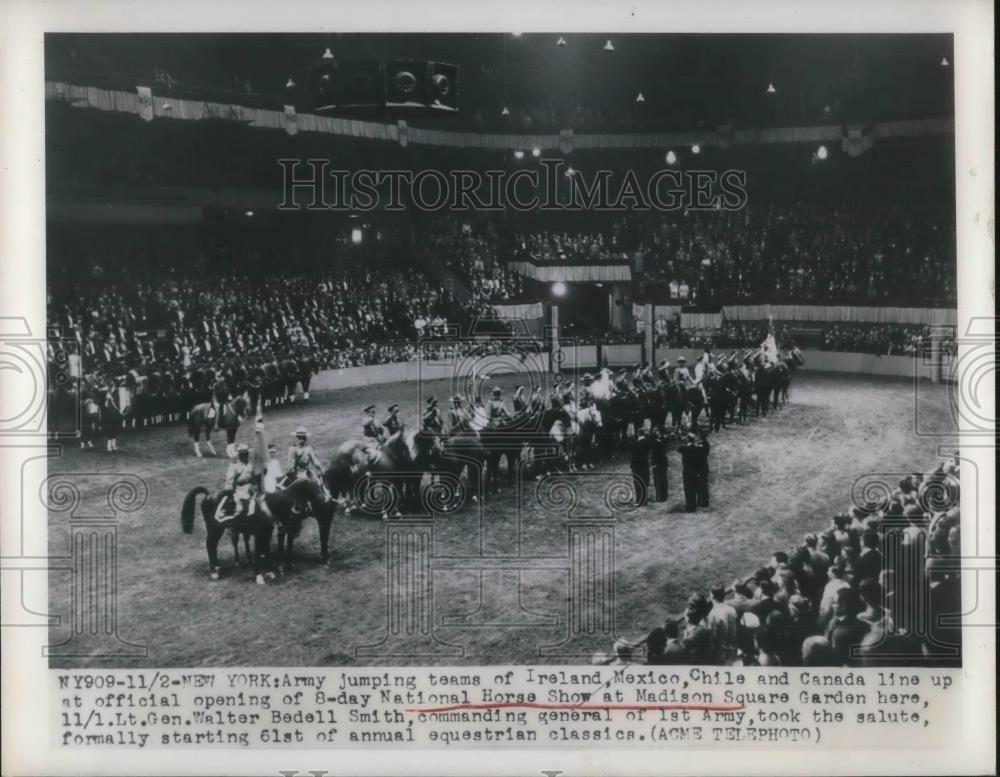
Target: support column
column 555, row 361
column 649, row 343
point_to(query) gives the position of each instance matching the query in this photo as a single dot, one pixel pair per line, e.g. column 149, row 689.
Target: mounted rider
column 431, row 421
column 372, row 429
column 392, row 424
column 459, row 418
column 496, row 410
column 303, row 463
column 240, row 487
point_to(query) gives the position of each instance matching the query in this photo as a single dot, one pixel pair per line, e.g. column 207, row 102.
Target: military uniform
column 432, row 419
column 241, row 483
column 658, row 453
column 458, row 419
column 496, row 411
column 392, row 424
column 301, row 460
column 373, row 429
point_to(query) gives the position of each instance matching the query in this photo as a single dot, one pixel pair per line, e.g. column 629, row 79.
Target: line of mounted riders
column 580, row 427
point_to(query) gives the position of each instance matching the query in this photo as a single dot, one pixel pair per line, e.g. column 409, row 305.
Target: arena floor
column 773, row 480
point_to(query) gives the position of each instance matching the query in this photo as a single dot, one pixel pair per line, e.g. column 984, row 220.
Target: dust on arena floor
column 773, row 480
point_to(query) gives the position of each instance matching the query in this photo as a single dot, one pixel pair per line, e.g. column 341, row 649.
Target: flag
column 259, row 448
column 770, row 348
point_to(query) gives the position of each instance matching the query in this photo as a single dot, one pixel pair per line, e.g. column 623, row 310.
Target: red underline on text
column 582, row 708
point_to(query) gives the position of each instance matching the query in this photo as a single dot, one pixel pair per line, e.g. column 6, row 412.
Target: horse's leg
column 208, row 439
column 324, row 519
column 234, row 536
column 213, row 534
column 246, row 544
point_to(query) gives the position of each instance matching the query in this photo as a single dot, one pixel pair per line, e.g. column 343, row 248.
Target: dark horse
column 200, row 421
column 722, row 392
column 291, row 506
column 259, row 526
column 386, row 479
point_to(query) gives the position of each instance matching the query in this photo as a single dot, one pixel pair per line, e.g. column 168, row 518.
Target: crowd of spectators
column 798, row 253
column 866, row 589
column 576, row 248
column 878, row 339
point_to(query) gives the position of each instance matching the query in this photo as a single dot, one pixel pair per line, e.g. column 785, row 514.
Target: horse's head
column 240, row 406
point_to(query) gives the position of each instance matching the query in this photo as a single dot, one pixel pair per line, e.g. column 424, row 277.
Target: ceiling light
column 609, row 46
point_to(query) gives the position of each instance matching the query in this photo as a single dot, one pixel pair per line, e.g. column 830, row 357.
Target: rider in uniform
column 302, row 458
column 496, row 411
column 458, row 416
column 372, row 429
column 392, row 424
column 432, row 417
column 240, row 486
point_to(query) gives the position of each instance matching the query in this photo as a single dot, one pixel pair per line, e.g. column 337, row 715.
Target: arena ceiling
column 686, row 80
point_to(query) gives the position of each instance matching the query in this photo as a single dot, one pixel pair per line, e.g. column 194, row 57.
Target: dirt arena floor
column 772, row 481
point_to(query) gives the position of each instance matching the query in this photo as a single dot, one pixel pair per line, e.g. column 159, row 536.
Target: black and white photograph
column 587, row 358
column 682, row 285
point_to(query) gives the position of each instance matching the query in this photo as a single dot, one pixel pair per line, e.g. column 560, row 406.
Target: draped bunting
column 523, row 311
column 573, row 273
column 861, row 314
column 129, row 102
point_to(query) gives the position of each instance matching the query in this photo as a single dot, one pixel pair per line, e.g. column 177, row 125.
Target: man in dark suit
column 639, row 465
column 694, row 458
column 659, row 459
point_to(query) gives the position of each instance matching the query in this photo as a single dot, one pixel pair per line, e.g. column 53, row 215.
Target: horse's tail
column 187, row 509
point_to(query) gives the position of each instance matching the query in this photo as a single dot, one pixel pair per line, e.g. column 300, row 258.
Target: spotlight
column 695, row 149
column 505, row 111
column 609, row 46
column 519, row 154
column 771, row 89
column 944, row 61
column 249, row 214
column 559, row 289
column 561, row 41
column 570, row 172
column 356, row 236
column 328, row 54
column 671, row 158
column 536, row 152
column 516, row 34
column 822, row 153
column 639, row 98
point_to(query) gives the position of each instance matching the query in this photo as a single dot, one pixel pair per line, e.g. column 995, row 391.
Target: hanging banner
column 566, row 140
column 145, row 102
column 291, row 120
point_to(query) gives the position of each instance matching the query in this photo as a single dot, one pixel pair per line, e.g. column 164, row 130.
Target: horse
column 258, row 525
column 721, row 399
column 387, row 478
column 590, row 421
column 463, row 451
column 791, row 362
column 291, row 506
column 90, row 422
column 201, row 419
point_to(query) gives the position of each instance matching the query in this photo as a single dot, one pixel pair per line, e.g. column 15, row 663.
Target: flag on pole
column 769, row 346
column 259, row 448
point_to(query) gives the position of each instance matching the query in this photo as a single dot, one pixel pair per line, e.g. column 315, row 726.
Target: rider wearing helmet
column 373, row 430
column 301, row 457
column 240, row 486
